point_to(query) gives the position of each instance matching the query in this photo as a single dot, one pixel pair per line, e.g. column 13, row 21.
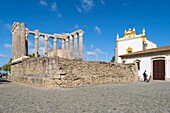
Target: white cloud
column 92, row 46
column 40, row 51
column 30, row 43
column 59, row 15
column 3, row 56
column 43, row 3
column 8, row 26
column 8, row 46
column 54, row 9
column 31, row 50
column 76, row 26
column 125, row 4
column 90, row 53
column 53, row 6
column 79, row 9
column 86, row 5
column 98, row 51
column 97, row 29
column 102, row 2
column 41, row 42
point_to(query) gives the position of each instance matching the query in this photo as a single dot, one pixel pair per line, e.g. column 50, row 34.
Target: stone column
column 55, row 46
column 46, row 45
column 116, row 55
column 23, row 38
column 63, row 48
column 36, row 35
column 75, row 46
column 18, row 42
column 67, row 53
column 26, row 40
column 71, row 46
column 81, row 45
column 13, row 44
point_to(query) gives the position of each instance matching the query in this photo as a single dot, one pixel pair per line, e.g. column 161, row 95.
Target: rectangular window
column 138, row 64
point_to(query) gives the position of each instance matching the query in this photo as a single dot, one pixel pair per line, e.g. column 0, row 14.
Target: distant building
column 133, row 48
column 51, row 53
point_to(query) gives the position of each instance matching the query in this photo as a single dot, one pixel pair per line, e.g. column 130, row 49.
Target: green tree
column 113, row 59
column 7, row 67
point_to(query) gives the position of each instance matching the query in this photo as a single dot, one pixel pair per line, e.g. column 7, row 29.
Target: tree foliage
column 113, row 59
column 7, row 67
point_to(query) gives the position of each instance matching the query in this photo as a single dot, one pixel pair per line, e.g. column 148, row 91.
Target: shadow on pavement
column 4, row 81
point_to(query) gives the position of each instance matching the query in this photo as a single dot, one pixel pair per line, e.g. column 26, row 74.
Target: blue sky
column 101, row 20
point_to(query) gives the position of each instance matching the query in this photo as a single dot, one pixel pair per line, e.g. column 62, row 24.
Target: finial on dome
column 143, row 31
column 125, row 31
column 134, row 29
column 117, row 36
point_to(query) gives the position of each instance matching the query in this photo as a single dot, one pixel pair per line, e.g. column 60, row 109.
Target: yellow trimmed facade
column 131, row 42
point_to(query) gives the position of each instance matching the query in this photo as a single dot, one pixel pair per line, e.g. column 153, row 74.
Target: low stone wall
column 59, row 71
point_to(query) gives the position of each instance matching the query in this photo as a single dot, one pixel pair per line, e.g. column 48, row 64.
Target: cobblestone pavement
column 138, row 97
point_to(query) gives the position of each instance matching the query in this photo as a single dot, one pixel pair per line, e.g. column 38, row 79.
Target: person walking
column 145, row 76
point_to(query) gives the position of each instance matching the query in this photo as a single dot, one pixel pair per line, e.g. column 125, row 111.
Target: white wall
column 150, row 44
column 135, row 43
column 146, row 64
column 168, row 67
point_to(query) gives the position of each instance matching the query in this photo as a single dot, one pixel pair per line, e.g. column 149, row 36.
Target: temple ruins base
column 56, row 71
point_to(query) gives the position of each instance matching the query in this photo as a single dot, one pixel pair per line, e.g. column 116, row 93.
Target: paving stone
column 136, row 97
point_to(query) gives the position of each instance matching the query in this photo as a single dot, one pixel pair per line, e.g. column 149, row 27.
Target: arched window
column 137, row 61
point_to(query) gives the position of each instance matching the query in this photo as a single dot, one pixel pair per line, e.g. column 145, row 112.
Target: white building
column 133, row 48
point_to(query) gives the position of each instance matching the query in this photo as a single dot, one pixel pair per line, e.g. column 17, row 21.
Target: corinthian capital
column 36, row 33
column 26, row 31
column 46, row 37
column 71, row 37
column 54, row 39
column 80, row 32
column 75, row 35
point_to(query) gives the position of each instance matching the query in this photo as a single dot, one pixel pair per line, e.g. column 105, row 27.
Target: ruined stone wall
column 73, row 72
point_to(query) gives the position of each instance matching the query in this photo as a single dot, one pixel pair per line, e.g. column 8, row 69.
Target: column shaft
column 63, row 49
column 46, row 45
column 75, row 47
column 36, row 35
column 18, row 42
column 81, row 46
column 23, row 38
column 67, row 48
column 36, row 46
column 26, row 41
column 71, row 47
column 13, row 45
column 55, row 46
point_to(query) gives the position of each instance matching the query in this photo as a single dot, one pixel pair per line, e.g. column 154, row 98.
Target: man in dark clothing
column 145, row 76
